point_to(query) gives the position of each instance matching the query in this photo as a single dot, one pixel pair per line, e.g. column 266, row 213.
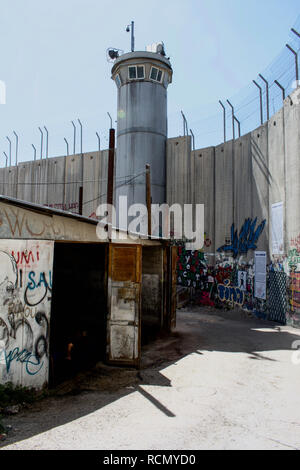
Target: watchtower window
column 136, row 72
column 156, row 74
column 118, row 80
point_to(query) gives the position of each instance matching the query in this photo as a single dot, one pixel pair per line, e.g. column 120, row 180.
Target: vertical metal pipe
column 9, row 150
column 267, row 95
column 296, row 62
column 17, row 146
column 233, row 130
column 34, row 149
column 42, row 137
column 282, row 89
column 132, row 36
column 80, row 200
column 74, row 137
column 111, row 163
column 260, row 100
column 80, row 135
column 148, row 198
column 67, row 144
column 47, row 141
column 224, row 120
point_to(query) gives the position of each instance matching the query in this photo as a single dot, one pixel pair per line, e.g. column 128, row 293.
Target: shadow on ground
column 198, row 330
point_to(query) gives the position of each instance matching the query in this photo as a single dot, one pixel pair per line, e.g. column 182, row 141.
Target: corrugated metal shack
column 64, row 293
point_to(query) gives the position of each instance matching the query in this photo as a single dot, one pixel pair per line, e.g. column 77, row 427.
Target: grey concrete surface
column 222, row 380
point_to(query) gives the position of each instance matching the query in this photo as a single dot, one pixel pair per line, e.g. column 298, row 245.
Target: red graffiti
column 223, row 273
column 295, row 288
column 295, row 243
column 25, row 257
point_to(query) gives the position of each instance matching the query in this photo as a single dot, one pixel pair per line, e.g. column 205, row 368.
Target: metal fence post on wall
column 5, row 154
column 296, row 62
column 232, row 109
column 80, row 135
column 42, row 140
column 267, row 95
column 98, row 137
column 74, row 137
column 260, row 101
column 224, row 120
column 239, row 125
column 282, row 89
column 34, row 150
column 193, row 138
column 47, row 140
column 9, row 150
column 17, row 146
column 67, row 144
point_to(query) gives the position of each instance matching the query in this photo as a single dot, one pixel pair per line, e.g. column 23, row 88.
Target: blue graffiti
column 25, row 357
column 247, row 238
column 230, row 293
column 33, row 284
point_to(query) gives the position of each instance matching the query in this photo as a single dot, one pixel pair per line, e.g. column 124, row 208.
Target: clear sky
column 53, row 62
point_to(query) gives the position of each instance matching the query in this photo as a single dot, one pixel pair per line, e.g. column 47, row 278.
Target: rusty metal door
column 124, row 304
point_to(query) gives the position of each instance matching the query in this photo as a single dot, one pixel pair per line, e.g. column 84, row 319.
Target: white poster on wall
column 260, row 274
column 277, row 228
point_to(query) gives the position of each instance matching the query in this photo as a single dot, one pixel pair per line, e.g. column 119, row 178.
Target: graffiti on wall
column 247, row 238
column 25, row 299
column 64, row 207
column 191, row 268
column 15, row 223
column 293, row 258
column 231, row 294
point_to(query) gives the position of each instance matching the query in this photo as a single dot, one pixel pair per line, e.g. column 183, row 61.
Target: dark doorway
column 79, row 309
column 152, row 293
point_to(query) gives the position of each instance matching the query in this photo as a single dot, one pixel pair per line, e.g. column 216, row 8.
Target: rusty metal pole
column 80, row 200
column 148, row 199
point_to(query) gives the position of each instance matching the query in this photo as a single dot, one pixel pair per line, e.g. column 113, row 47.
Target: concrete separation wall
column 251, row 192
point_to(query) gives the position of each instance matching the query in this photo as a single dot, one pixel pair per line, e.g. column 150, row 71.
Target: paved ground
column 223, row 380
